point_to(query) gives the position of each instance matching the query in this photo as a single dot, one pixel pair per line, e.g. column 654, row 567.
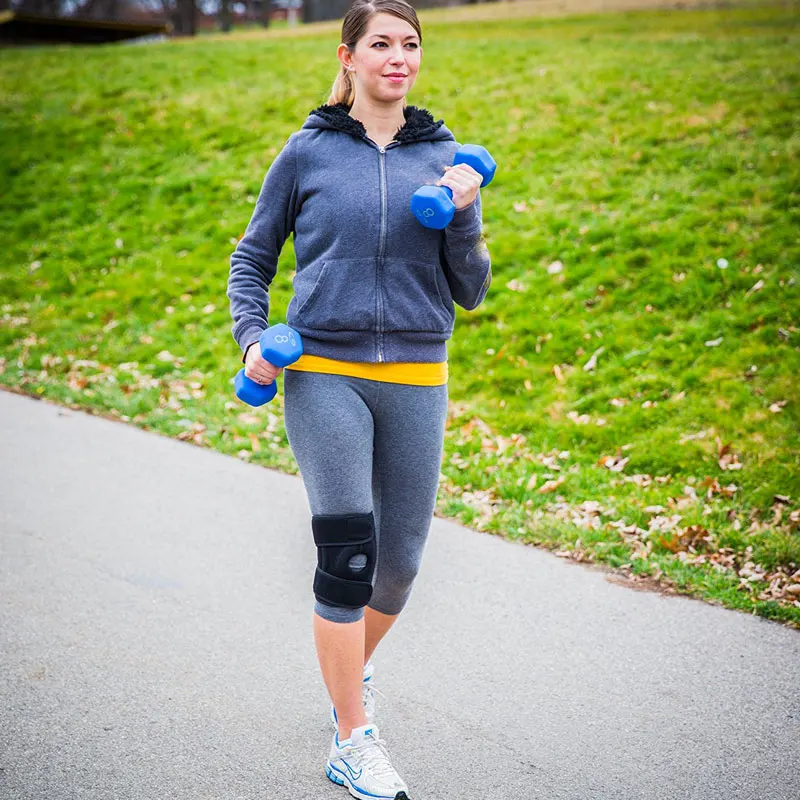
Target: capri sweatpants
column 364, row 445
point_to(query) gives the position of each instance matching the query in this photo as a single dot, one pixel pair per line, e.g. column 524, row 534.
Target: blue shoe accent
column 330, row 773
column 338, row 743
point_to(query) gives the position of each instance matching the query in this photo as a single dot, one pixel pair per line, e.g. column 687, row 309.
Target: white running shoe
column 361, row 764
column 367, row 696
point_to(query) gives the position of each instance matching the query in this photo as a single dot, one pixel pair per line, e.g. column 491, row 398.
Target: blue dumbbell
column 281, row 346
column 433, row 206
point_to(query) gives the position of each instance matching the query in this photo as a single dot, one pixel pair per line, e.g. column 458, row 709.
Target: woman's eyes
column 410, row 44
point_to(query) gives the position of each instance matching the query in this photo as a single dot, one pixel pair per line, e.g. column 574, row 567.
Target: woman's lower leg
column 376, row 626
column 340, row 650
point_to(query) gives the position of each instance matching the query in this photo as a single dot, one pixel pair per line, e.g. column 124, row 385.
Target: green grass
column 637, row 149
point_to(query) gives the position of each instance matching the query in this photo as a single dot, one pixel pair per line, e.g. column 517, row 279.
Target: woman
column 365, row 406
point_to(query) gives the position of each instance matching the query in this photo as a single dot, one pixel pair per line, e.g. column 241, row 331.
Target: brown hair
column 355, row 25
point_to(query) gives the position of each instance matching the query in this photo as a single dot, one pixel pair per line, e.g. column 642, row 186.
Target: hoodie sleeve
column 465, row 257
column 254, row 262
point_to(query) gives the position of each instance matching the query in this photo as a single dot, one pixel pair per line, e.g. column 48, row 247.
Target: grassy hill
column 626, row 395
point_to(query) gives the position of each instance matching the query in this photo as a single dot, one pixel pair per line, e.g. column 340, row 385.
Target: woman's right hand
column 258, row 369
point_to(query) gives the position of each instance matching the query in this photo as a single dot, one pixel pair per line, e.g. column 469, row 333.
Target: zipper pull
column 382, row 149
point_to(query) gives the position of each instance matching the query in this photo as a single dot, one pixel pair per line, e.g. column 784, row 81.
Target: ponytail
column 343, row 90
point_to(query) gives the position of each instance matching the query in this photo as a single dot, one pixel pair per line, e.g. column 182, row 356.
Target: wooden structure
column 318, row 10
column 16, row 28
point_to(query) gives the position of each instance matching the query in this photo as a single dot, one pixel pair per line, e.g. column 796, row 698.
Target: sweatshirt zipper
column 382, row 242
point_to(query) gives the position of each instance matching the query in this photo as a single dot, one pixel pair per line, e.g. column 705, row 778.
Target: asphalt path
column 156, row 644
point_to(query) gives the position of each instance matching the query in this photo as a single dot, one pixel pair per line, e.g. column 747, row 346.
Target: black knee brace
column 346, row 550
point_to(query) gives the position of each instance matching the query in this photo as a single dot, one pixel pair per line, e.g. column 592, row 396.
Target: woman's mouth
column 396, row 77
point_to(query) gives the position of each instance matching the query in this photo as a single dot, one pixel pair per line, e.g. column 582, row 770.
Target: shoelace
column 368, row 696
column 373, row 755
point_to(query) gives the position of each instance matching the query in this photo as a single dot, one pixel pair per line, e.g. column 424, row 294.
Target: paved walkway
column 156, row 644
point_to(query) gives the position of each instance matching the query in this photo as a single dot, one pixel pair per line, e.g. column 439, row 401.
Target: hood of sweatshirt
column 419, row 126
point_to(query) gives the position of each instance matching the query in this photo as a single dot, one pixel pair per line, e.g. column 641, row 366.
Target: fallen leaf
column 475, row 422
column 695, row 120
column 725, row 458
column 579, row 419
column 614, row 463
column 688, row 437
column 758, row 285
column 551, row 486
column 592, row 362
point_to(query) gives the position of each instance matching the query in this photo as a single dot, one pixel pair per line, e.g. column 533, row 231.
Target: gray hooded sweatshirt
column 371, row 284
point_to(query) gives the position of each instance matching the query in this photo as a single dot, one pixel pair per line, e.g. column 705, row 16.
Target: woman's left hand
column 464, row 182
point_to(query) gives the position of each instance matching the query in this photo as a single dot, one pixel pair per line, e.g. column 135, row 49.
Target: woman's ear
column 344, row 56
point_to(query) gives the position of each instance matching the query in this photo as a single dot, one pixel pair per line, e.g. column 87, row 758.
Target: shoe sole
column 342, row 781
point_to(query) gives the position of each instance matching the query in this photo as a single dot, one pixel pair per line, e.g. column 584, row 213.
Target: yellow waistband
column 417, row 374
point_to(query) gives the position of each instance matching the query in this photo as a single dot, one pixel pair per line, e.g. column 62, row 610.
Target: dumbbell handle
column 433, row 205
column 280, row 346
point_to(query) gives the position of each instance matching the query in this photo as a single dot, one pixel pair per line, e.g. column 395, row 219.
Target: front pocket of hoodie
column 337, row 295
column 411, row 297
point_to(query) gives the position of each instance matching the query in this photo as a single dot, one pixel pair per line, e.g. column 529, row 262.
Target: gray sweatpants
column 362, row 446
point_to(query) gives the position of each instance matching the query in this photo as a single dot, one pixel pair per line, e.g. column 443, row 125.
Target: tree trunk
column 225, row 16
column 266, row 12
column 185, row 18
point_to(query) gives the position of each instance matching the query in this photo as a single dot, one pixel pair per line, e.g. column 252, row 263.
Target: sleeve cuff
column 466, row 218
column 244, row 352
column 247, row 337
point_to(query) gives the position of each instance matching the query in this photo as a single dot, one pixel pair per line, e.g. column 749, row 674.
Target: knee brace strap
column 346, row 550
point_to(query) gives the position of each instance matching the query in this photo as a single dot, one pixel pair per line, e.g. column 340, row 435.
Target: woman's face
column 389, row 48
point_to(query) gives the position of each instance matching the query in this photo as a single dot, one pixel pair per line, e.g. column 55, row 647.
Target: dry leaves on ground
column 691, row 544
column 615, row 463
